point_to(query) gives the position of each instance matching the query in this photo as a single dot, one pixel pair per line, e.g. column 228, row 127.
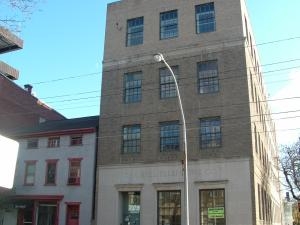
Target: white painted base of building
column 233, row 175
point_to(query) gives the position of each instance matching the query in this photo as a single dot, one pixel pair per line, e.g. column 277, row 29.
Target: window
column 205, row 18
column 169, row 136
column 212, row 207
column 168, row 24
column 167, row 84
column 169, row 208
column 73, row 212
column 133, row 87
column 45, row 213
column 32, row 143
column 131, row 207
column 210, row 132
column 53, row 142
column 50, row 172
column 74, row 171
column 135, row 31
column 76, row 140
column 30, row 172
column 208, row 80
column 131, row 139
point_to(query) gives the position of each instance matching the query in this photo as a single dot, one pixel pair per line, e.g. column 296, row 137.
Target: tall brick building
column 232, row 148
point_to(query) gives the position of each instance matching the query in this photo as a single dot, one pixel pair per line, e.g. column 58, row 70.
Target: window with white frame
column 168, row 24
column 32, row 143
column 210, row 132
column 76, row 140
column 53, row 142
column 50, row 178
column 74, row 171
column 135, row 31
column 205, row 18
column 30, row 168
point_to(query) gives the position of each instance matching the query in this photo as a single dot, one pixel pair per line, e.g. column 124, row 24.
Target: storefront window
column 131, row 208
column 212, row 207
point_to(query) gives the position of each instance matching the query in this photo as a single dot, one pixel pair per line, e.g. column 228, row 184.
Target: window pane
column 133, row 87
column 169, row 208
column 210, row 132
column 169, row 136
column 208, row 80
column 53, row 142
column 30, row 173
column 131, row 208
column 167, row 84
column 74, row 171
column 51, row 173
column 168, row 24
column 131, row 139
column 205, row 18
column 135, row 31
column 212, row 207
column 76, row 140
column 32, row 143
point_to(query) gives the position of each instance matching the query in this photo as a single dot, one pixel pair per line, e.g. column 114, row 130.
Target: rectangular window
column 133, row 87
column 30, row 168
column 32, row 143
column 208, row 80
column 169, row 136
column 167, row 84
column 46, row 213
column 51, row 172
column 76, row 140
column 131, row 139
column 73, row 212
column 212, row 207
column 74, row 171
column 210, row 132
column 205, row 18
column 168, row 24
column 53, row 142
column 135, row 31
column 131, row 207
column 169, row 208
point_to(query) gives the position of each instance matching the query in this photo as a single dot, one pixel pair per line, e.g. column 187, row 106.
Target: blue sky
column 63, row 40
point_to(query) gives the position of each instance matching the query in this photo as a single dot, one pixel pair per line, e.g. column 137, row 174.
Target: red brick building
column 18, row 107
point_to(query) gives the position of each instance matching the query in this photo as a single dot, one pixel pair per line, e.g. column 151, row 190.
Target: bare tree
column 290, row 166
column 13, row 13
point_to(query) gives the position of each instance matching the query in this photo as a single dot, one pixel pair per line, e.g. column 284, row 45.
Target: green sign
column 215, row 213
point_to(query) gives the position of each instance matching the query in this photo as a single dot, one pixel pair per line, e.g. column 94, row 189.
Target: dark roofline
column 81, row 125
column 10, row 41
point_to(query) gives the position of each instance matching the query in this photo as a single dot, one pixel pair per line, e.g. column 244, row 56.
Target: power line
column 120, row 91
column 66, row 78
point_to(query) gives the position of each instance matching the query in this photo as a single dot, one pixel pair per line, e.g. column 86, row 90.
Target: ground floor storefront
column 220, row 193
column 37, row 210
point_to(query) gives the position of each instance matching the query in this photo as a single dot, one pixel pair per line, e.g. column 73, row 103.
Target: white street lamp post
column 160, row 58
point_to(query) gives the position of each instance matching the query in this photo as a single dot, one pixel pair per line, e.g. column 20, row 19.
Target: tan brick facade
column 243, row 111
